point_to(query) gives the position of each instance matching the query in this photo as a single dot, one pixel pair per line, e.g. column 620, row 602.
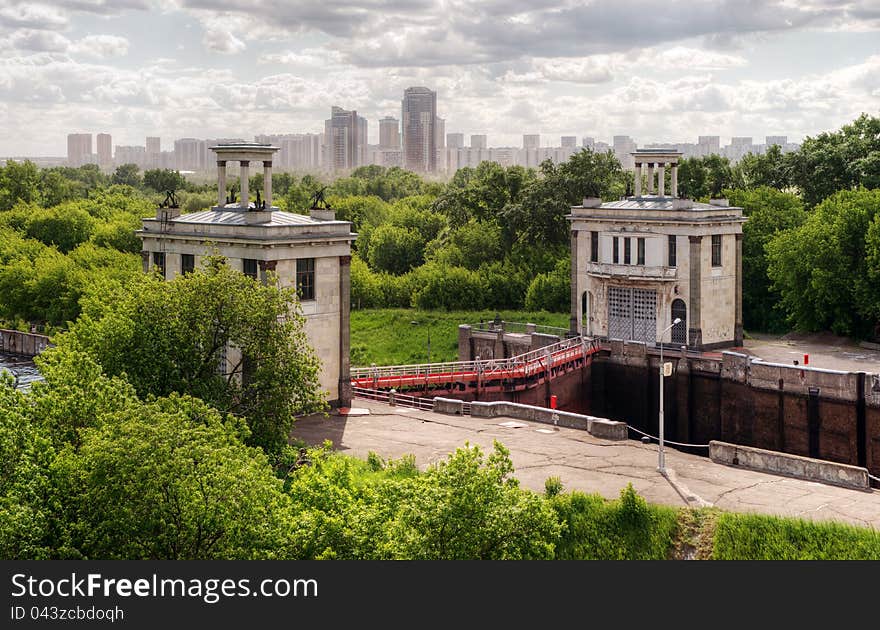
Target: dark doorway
column 679, row 331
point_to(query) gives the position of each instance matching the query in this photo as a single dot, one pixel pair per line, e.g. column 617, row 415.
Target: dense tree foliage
column 171, row 336
column 826, row 269
column 838, row 160
column 170, row 479
column 769, row 212
column 163, row 179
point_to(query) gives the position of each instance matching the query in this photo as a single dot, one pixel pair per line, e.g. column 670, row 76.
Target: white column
column 267, row 183
column 638, row 180
column 221, row 183
column 244, row 175
column 650, row 178
column 661, row 179
column 674, row 181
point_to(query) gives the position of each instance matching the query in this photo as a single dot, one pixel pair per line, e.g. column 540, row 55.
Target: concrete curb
column 789, row 465
column 597, row 427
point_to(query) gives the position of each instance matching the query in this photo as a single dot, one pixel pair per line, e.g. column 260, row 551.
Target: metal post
column 661, row 455
column 661, row 462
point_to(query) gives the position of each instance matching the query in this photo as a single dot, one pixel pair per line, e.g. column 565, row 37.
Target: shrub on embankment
column 625, row 529
column 759, row 537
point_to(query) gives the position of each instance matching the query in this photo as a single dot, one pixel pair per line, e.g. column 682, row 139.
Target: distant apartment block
column 624, row 147
column 79, row 149
column 131, row 155
column 531, row 141
column 478, row 141
column 567, row 142
column 454, row 140
column 153, row 152
column 105, row 150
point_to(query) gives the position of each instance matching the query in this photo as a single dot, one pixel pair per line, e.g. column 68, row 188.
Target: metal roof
column 657, row 203
column 237, row 217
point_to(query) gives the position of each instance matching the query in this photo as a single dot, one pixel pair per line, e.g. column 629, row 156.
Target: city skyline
column 217, row 68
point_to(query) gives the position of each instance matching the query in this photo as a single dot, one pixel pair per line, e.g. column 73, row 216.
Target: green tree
column 25, row 456
column 169, row 480
column 162, row 179
column 772, row 169
column 19, row 182
column 824, row 269
column 769, row 212
column 127, row 174
column 395, row 249
column 538, row 218
column 469, row 507
column 551, row 291
column 840, row 160
column 702, row 177
column 471, row 246
column 64, row 226
column 170, row 336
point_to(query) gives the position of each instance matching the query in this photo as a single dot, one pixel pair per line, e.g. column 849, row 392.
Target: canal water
column 21, row 368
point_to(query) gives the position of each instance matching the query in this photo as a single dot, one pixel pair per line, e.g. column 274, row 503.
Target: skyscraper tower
column 341, row 136
column 419, row 109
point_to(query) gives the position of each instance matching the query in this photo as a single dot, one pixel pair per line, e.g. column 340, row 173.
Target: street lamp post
column 661, row 456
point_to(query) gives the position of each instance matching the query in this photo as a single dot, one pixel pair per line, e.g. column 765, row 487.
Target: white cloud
column 32, row 15
column 101, row 46
column 38, row 41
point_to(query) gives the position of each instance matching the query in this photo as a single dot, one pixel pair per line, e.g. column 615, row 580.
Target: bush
column 447, row 288
column 366, row 286
column 626, row 529
column 395, row 249
column 551, row 291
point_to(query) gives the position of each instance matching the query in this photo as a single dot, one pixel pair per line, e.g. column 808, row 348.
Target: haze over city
column 224, row 68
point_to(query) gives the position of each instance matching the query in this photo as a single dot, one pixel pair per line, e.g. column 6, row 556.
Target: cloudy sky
column 658, row 71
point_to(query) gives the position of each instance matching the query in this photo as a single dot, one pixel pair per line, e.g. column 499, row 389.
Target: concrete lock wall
column 22, row 343
column 598, row 427
column 789, row 465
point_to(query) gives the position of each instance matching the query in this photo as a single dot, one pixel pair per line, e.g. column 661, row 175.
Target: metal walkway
column 517, row 372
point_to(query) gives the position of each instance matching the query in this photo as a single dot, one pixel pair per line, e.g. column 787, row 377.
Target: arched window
column 679, row 331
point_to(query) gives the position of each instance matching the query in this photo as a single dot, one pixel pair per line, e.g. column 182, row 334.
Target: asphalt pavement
column 589, row 464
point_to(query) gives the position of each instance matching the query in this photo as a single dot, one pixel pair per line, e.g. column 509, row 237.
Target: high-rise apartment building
column 190, row 154
column 478, row 141
column 389, row 133
column 531, row 140
column 154, row 152
column 709, row 145
column 105, row 150
column 341, row 138
column 131, row 155
column 455, row 140
column 419, row 116
column 624, row 147
column 771, row 140
column 568, row 142
column 79, row 149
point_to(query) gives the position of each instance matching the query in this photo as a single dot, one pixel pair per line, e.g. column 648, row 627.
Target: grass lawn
column 396, row 336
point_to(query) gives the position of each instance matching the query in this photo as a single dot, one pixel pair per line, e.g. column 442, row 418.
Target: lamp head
column 677, row 320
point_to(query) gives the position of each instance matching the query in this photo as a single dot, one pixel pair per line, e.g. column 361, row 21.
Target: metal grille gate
column 632, row 314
